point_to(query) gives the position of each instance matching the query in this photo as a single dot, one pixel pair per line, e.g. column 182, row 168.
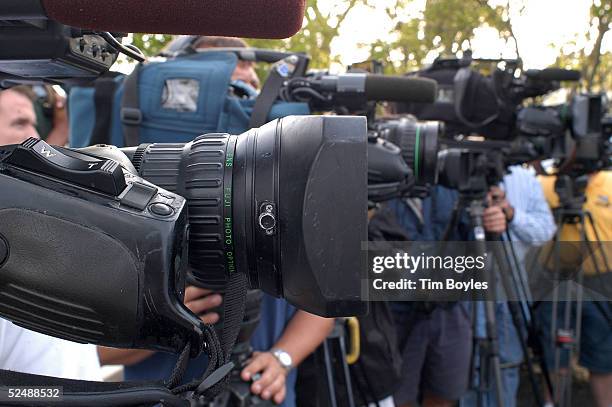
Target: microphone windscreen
column 236, row 18
column 553, row 74
column 400, row 89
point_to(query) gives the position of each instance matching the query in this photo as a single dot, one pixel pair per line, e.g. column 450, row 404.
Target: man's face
column 245, row 71
column 17, row 118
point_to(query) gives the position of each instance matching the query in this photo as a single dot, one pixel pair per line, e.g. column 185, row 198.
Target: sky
column 542, row 23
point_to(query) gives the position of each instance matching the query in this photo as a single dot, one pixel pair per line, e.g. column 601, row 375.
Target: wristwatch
column 283, row 358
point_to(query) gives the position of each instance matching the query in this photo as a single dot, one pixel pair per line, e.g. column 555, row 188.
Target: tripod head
column 471, row 172
column 571, row 191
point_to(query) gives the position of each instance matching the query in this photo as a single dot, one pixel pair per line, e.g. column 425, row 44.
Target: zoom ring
column 204, row 174
column 199, row 167
column 407, row 143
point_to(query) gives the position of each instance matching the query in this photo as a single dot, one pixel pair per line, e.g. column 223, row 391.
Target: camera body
column 574, row 133
column 90, row 252
column 31, row 50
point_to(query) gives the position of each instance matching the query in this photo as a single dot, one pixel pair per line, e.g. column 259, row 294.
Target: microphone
column 379, row 87
column 400, row 89
column 237, row 18
column 553, row 74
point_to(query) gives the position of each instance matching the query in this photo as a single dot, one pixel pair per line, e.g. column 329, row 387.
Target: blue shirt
column 532, row 225
column 436, row 210
column 429, row 222
column 275, row 314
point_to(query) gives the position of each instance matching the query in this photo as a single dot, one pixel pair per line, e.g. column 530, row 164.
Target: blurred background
column 405, row 34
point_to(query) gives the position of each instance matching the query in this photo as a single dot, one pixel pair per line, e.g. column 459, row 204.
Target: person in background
column 245, row 70
column 22, row 350
column 284, row 337
column 17, row 116
column 435, row 338
column 596, row 329
column 530, row 224
column 52, row 118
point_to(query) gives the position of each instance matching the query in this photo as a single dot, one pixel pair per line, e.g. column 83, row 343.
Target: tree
column 594, row 65
column 151, row 44
column 442, row 27
column 322, row 23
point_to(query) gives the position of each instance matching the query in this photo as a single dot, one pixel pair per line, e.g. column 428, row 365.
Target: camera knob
column 267, row 218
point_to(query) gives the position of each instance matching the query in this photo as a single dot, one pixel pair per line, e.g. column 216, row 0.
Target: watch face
column 284, row 358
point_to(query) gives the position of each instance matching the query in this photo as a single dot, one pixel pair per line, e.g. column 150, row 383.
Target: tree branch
column 342, row 16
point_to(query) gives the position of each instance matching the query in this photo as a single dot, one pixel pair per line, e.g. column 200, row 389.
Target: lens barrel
column 266, row 203
column 419, row 144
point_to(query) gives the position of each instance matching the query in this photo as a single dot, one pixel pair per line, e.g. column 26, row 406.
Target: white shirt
column 26, row 351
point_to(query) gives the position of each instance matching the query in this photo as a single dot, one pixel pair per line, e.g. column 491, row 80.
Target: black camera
column 574, row 134
column 402, row 152
column 94, row 253
column 418, row 142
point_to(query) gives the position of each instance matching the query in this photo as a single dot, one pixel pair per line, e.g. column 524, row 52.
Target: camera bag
column 170, row 101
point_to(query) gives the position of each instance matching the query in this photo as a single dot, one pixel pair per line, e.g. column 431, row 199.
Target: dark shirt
column 436, row 212
column 430, row 224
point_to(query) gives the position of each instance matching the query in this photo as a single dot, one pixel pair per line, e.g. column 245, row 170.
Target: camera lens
column 265, row 203
column 419, row 144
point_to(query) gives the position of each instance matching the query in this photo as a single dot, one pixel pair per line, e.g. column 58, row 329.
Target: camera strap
column 233, row 314
column 280, row 72
column 104, row 93
column 131, row 115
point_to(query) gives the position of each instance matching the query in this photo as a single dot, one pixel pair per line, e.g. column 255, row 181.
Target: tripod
column 488, row 347
column 566, row 336
column 472, row 194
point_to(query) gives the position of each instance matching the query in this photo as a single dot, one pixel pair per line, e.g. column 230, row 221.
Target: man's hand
column 271, row 383
column 58, row 135
column 494, row 220
column 200, row 301
column 497, row 197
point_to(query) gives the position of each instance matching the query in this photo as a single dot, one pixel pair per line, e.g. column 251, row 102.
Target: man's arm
column 531, row 220
column 127, row 357
column 304, row 333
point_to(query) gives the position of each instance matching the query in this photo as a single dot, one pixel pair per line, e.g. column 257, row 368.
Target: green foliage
column 321, row 25
column 595, row 66
column 442, row 27
column 151, row 44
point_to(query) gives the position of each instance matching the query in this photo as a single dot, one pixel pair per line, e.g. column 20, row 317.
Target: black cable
column 129, row 50
column 179, row 369
column 295, row 93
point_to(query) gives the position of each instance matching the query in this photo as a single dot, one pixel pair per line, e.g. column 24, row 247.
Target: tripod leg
column 329, row 370
column 598, row 271
column 516, row 310
column 491, row 327
column 476, row 211
column 604, row 255
column 347, row 374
